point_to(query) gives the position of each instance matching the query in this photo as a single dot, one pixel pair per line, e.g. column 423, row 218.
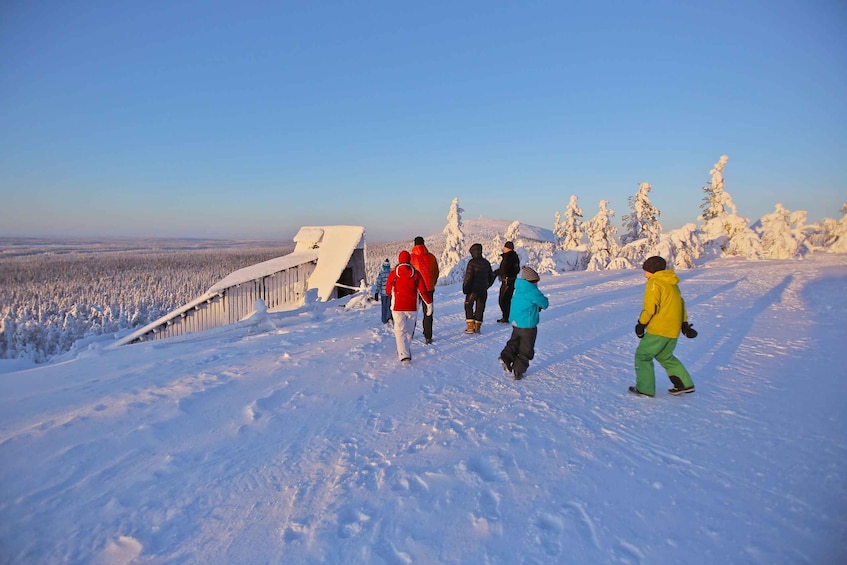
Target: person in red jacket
column 427, row 265
column 405, row 284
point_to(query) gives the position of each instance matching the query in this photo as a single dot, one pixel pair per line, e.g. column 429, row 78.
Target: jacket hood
column 476, row 250
column 420, row 249
column 404, row 257
column 666, row 276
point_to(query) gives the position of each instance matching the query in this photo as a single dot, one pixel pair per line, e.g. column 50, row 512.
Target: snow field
column 309, row 443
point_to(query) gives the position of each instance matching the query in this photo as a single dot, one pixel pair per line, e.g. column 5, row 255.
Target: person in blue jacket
column 527, row 302
column 379, row 291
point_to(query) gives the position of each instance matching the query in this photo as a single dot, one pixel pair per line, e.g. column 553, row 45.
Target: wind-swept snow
column 302, row 440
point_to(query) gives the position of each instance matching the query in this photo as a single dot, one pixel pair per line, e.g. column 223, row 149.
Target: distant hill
column 476, row 230
column 485, row 229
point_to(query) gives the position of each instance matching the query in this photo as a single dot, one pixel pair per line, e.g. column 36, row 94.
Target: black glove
column 688, row 330
column 639, row 330
column 376, row 297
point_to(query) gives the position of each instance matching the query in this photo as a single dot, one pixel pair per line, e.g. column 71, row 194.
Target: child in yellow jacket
column 659, row 325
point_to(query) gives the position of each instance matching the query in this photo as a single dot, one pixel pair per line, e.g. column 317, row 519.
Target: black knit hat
column 509, row 245
column 654, row 264
column 419, row 240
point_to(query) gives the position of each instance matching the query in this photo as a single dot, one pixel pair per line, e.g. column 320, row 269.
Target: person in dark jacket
column 527, row 302
column 478, row 279
column 507, row 272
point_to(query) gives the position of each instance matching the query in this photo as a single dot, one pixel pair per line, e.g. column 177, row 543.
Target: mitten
column 688, row 330
column 639, row 330
column 428, row 308
column 376, row 297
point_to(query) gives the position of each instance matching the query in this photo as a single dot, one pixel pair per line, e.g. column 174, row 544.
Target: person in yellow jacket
column 659, row 325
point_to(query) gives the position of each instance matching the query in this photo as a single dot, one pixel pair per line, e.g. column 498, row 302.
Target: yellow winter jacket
column 664, row 308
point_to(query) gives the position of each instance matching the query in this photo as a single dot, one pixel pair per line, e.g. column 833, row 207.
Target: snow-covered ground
column 307, row 442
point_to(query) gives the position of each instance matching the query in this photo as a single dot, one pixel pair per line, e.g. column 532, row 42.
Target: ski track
column 300, row 472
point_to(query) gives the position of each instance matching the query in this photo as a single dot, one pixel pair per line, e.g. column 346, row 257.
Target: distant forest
column 53, row 294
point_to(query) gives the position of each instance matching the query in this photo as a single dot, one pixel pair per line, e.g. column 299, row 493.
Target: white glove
column 429, row 309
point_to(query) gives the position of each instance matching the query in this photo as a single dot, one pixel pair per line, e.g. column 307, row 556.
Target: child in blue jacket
column 379, row 291
column 527, row 302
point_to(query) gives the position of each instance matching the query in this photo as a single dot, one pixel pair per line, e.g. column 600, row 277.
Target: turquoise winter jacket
column 526, row 303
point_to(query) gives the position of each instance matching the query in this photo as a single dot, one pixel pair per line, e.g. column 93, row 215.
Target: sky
column 225, row 119
column 299, row 438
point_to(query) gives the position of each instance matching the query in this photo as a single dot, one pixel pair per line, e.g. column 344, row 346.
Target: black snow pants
column 520, row 349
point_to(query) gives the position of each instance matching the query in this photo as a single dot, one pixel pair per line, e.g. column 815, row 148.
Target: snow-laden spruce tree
column 557, row 230
column 451, row 258
column 840, row 243
column 513, row 232
column 829, row 234
column 570, row 233
column 601, row 238
column 680, row 247
column 715, row 203
column 782, row 233
column 642, row 228
column 643, row 221
column 723, row 231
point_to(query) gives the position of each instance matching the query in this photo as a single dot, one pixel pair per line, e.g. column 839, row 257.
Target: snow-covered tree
column 571, row 231
column 829, row 234
column 513, row 232
column 840, row 243
column 680, row 247
column 723, row 231
column 643, row 221
column 601, row 238
column 451, row 258
column 557, row 230
column 778, row 240
column 716, row 202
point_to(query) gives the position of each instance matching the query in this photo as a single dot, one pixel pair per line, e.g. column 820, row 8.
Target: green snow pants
column 661, row 349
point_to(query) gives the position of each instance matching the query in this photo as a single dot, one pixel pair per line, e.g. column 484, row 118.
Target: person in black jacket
column 478, row 279
column 507, row 272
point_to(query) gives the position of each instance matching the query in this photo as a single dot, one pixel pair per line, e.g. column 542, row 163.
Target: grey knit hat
column 529, row 274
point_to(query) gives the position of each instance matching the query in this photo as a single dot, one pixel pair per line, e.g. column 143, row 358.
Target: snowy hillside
column 483, row 229
column 302, row 439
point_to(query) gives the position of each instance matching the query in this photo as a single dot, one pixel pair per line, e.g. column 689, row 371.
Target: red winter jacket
column 426, row 264
column 405, row 284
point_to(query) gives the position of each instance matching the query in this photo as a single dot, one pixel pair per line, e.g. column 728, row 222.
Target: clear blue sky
column 249, row 119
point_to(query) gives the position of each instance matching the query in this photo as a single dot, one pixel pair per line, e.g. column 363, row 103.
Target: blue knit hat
column 386, row 265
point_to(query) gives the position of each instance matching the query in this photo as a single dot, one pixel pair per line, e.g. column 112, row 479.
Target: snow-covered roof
column 334, row 246
column 330, row 246
column 265, row 269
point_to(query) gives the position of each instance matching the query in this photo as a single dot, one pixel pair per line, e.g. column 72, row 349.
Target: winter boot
column 470, row 328
column 679, row 387
column 637, row 392
column 476, row 327
column 505, row 365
